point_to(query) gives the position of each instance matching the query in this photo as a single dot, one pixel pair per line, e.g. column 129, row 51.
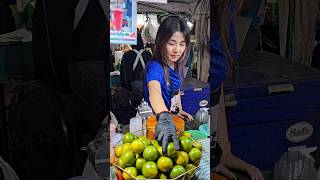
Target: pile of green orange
column 143, row 158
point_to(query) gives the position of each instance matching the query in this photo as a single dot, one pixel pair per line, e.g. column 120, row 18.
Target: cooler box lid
column 194, row 85
column 263, row 74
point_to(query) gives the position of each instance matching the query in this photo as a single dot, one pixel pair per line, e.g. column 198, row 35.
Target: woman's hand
column 233, row 162
column 165, row 130
column 254, row 172
column 183, row 113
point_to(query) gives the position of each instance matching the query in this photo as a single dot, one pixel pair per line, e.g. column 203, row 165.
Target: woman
column 223, row 52
column 164, row 75
column 252, row 11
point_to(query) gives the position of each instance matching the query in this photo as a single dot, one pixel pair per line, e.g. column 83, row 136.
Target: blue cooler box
column 193, row 94
column 274, row 105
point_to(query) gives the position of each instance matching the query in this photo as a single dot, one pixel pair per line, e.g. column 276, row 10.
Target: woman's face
column 175, row 47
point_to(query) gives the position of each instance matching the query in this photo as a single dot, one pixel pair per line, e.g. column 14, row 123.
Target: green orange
column 150, row 169
column 195, row 154
column 132, row 170
column 197, row 144
column 128, row 138
column 171, row 151
column 141, row 177
column 187, row 134
column 128, row 158
column 190, row 167
column 125, row 147
column 139, row 163
column 121, row 163
column 164, row 164
column 137, row 146
column 118, row 150
column 162, row 176
column 182, row 158
column 176, row 171
column 186, row 143
column 150, row 153
column 145, row 140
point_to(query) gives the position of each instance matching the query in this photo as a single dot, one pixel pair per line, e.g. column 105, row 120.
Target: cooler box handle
column 280, row 88
column 230, row 100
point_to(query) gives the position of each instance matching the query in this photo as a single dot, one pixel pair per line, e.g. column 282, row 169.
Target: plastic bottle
column 145, row 111
column 202, row 115
column 136, row 125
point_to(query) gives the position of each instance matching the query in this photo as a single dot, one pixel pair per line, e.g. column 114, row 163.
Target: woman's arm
column 227, row 158
column 155, row 97
column 165, row 128
column 181, row 111
column 223, row 138
column 222, row 130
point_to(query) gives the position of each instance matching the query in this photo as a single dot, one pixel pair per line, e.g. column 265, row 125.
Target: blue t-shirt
column 155, row 71
column 218, row 60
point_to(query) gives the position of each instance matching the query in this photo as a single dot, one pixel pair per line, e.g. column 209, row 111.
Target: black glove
column 166, row 129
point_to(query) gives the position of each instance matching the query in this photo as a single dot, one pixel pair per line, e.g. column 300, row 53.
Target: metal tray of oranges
column 141, row 158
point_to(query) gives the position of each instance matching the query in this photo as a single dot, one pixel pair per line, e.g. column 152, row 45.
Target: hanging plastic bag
column 149, row 31
column 295, row 165
column 6, row 171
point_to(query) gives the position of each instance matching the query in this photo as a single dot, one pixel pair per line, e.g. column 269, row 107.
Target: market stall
column 127, row 96
column 148, row 17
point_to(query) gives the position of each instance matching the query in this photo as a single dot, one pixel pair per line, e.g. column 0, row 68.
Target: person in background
column 222, row 53
column 253, row 11
column 111, row 61
column 164, row 76
column 7, row 21
column 150, row 47
column 133, row 64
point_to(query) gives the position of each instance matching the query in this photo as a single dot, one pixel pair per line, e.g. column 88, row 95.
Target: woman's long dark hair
column 168, row 27
column 223, row 11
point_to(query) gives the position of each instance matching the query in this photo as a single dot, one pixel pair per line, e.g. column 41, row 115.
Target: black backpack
column 41, row 140
column 133, row 68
